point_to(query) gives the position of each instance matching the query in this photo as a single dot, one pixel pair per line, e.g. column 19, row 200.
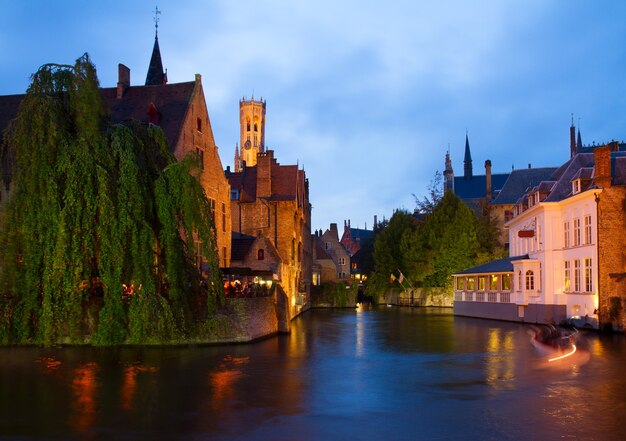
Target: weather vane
column 156, row 18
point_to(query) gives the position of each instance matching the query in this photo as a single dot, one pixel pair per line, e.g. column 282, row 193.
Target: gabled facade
column 566, row 248
column 180, row 110
column 329, row 241
column 272, row 200
column 354, row 238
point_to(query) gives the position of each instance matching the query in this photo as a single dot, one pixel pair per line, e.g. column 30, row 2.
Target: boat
column 556, row 343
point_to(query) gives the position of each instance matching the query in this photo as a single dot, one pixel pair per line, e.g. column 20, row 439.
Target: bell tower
column 252, row 131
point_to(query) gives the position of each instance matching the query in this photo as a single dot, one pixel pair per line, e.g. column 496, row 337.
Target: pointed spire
column 156, row 76
column 572, row 139
column 237, row 158
column 467, row 161
column 579, row 142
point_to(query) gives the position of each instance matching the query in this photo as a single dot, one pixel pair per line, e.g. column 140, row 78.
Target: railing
column 479, row 296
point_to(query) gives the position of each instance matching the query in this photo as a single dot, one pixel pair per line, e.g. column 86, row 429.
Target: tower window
column 248, row 126
column 256, row 127
column 260, row 255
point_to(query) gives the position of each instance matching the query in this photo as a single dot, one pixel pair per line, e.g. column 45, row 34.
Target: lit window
column 460, row 283
column 567, row 271
column 506, row 282
column 577, row 275
column 481, row 283
column 494, row 283
column 588, row 276
column 471, row 283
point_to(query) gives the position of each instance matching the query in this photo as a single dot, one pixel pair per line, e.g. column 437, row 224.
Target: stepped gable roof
column 9, row 106
column 475, row 187
column 171, row 101
column 241, row 245
column 495, row 266
column 563, row 186
column 519, row 181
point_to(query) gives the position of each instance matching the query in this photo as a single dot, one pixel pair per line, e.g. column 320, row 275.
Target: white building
column 552, row 274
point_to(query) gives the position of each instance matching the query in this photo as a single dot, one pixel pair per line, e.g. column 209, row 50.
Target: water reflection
column 371, row 373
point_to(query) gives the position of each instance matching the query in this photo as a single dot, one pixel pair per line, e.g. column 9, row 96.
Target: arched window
column 260, row 255
column 530, row 281
column 256, row 127
column 248, row 125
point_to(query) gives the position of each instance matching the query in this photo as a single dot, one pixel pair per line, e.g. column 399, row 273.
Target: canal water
column 366, row 374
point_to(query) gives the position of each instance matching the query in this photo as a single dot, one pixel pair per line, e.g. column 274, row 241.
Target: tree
column 100, row 214
column 434, row 191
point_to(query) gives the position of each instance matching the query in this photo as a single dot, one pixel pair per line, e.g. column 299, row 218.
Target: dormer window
column 576, row 186
column 234, row 195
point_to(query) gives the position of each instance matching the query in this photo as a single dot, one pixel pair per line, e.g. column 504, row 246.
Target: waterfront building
column 329, row 241
column 180, row 110
column 559, row 231
column 353, row 239
column 272, row 200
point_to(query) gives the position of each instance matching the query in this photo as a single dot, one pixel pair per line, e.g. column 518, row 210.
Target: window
column 200, row 154
column 341, row 261
column 576, row 186
column 567, row 273
column 530, row 281
column 576, row 232
column 234, row 195
column 255, row 140
column 566, row 234
column 494, row 282
column 588, row 229
column 223, row 217
column 481, row 283
column 471, row 283
column 256, row 127
column 519, row 281
column 260, row 255
column 212, row 208
column 460, row 283
column 199, row 125
column 577, row 275
column 506, row 282
column 588, row 276
column 248, row 127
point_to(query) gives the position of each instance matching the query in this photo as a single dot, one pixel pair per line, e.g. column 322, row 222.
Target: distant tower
column 156, row 76
column 467, row 161
column 252, row 131
column 572, row 139
column 448, row 175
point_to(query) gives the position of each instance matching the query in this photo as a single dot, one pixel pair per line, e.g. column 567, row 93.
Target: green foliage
column 97, row 207
column 388, row 257
column 338, row 294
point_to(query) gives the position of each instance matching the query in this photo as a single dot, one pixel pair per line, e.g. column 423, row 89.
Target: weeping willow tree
column 98, row 236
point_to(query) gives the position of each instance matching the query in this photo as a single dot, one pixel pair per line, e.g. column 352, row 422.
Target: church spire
column 467, row 161
column 156, row 76
column 579, row 142
column 572, row 139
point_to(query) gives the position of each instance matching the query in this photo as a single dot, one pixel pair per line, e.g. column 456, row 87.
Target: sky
column 367, row 96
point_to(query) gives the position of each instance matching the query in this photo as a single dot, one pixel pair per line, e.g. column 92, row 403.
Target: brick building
column 180, row 110
column 272, row 200
column 329, row 241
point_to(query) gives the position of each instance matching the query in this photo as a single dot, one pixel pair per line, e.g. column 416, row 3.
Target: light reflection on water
column 371, row 373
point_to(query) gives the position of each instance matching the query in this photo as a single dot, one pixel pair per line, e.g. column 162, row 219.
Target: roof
column 241, row 245
column 320, row 252
column 495, row 266
column 156, row 76
column 359, row 233
column 563, row 185
column 519, row 181
column 170, row 100
column 287, row 182
column 475, row 187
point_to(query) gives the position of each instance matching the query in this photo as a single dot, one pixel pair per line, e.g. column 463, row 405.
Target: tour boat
column 553, row 342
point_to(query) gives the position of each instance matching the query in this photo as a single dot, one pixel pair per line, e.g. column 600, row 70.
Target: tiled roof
column 563, row 186
column 320, row 252
column 495, row 266
column 286, row 181
column 171, row 101
column 519, row 181
column 361, row 234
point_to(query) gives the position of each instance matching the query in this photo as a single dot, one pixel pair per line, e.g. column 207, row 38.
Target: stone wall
column 252, row 318
column 442, row 297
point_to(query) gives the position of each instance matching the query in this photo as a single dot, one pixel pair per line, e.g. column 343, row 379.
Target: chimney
column 264, row 174
column 602, row 160
column 333, row 231
column 488, row 180
column 123, row 80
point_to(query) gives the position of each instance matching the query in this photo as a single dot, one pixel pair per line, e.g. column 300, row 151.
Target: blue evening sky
column 366, row 95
